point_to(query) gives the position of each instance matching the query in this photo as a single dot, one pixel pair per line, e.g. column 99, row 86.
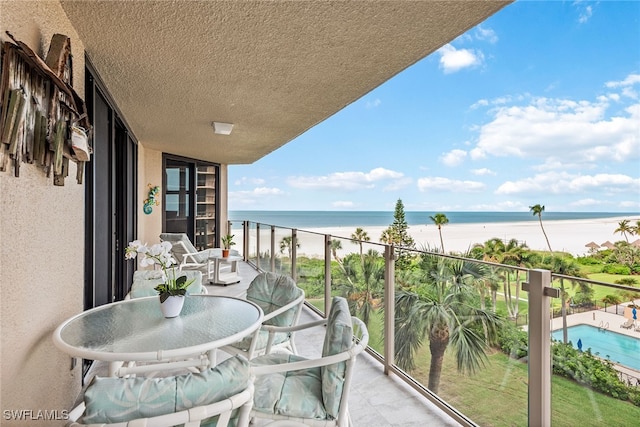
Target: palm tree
column 566, row 267
column 285, row 244
column 636, row 228
column 357, row 238
column 440, row 219
column 623, row 228
column 363, row 286
column 537, row 210
column 336, row 245
column 443, row 309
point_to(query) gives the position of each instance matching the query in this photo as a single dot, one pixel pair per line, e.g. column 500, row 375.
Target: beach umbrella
column 608, row 244
column 579, row 344
column 593, row 246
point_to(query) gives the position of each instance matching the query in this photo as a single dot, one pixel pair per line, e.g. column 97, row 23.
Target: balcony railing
column 456, row 309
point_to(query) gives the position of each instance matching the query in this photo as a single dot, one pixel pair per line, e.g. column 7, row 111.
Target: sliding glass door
column 190, row 200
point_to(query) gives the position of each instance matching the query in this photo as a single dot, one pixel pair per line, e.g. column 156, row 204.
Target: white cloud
column 626, row 85
column 253, row 181
column 373, row 104
column 436, row 183
column 249, row 197
column 345, row 180
column 587, row 203
column 452, row 59
column 561, row 129
column 585, row 14
column 565, row 183
column 509, row 206
column 482, row 172
column 343, row 204
column 398, row 184
column 630, row 204
column 453, row 157
column 267, row 191
column 486, row 34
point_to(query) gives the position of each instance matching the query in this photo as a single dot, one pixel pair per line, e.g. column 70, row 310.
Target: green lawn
column 497, row 395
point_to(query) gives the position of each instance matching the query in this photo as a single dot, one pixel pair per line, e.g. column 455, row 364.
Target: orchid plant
column 160, row 254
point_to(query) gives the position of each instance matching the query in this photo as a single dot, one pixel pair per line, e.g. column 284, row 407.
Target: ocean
column 317, row 219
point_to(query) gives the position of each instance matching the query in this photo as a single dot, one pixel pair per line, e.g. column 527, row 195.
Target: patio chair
column 311, row 391
column 281, row 301
column 214, row 397
column 628, row 324
column 188, row 256
column 145, row 281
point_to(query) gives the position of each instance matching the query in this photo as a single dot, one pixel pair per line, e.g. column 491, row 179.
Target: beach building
column 170, row 89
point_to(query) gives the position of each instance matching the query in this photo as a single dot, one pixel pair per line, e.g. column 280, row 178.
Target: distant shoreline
column 323, row 219
column 564, row 235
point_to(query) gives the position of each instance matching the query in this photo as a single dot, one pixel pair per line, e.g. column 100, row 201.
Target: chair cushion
column 109, row 400
column 145, row 281
column 293, row 393
column 261, row 344
column 338, row 338
column 271, row 291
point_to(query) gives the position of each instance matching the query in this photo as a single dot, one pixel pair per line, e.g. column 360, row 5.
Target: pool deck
column 611, row 321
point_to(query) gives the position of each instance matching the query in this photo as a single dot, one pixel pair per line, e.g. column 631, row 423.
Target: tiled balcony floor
column 375, row 399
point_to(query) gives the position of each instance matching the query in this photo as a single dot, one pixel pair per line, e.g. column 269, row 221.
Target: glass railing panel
column 237, row 230
column 252, row 240
column 456, row 334
column 264, row 251
column 595, row 350
column 310, row 272
column 358, row 275
column 282, row 251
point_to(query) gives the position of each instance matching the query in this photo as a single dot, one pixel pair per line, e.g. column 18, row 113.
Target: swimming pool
column 618, row 348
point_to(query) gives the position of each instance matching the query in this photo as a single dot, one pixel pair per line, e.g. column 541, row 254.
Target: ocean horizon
column 318, row 219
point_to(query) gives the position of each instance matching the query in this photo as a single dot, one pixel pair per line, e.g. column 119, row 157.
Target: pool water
column 618, row 348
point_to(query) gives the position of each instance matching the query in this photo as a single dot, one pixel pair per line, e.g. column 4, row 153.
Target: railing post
column 327, row 274
column 389, row 307
column 258, row 246
column 245, row 241
column 273, row 249
column 294, row 253
column 540, row 293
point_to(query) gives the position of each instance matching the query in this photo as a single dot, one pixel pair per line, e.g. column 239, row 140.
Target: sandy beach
column 564, row 235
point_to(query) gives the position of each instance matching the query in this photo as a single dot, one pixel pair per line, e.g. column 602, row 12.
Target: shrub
column 616, row 269
column 513, row 341
column 628, row 281
column 587, row 369
column 588, row 260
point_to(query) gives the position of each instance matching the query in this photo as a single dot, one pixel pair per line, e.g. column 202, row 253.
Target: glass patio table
column 135, row 330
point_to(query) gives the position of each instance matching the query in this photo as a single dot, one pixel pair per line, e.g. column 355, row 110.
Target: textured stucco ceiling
column 273, row 69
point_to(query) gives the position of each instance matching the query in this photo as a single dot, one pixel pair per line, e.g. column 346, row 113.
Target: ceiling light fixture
column 222, row 128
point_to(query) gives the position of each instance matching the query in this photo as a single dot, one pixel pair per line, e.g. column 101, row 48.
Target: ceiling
column 273, row 69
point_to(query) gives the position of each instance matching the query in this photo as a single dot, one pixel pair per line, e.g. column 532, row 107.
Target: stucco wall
column 41, row 251
column 149, row 173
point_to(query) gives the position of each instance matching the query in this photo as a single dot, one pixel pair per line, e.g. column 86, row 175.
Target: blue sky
column 538, row 104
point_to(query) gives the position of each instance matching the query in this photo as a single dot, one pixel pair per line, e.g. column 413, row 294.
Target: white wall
column 41, row 250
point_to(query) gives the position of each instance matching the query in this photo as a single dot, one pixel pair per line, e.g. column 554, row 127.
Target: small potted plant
column 227, row 242
column 173, row 289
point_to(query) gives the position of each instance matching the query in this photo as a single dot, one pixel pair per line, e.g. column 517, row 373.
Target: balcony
column 380, row 385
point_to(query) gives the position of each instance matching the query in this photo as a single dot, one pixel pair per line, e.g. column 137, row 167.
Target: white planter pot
column 172, row 306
